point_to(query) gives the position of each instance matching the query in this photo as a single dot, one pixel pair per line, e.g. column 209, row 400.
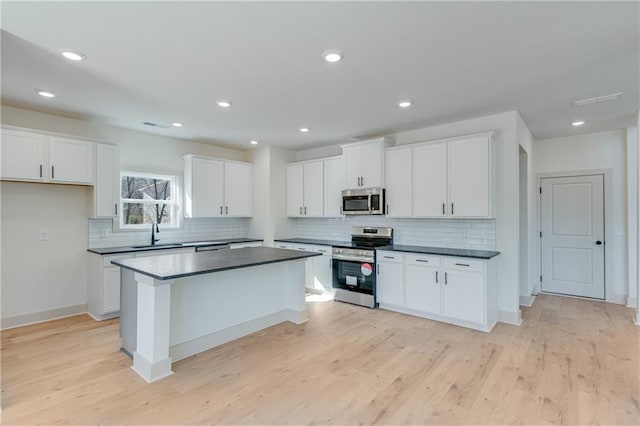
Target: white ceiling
column 170, row 61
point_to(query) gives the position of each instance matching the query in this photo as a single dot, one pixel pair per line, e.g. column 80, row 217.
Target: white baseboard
column 632, row 302
column 618, row 299
column 513, row 318
column 527, row 300
column 192, row 347
column 37, row 317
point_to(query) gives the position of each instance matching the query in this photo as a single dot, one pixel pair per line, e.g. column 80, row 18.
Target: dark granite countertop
column 180, row 265
column 441, row 251
column 313, row 241
column 205, row 243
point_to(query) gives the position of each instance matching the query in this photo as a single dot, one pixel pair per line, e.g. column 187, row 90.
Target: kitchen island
column 190, row 302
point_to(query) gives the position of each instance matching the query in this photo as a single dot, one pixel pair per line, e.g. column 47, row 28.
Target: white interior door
column 573, row 235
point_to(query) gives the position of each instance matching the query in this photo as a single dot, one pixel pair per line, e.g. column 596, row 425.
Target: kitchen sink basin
column 157, row 246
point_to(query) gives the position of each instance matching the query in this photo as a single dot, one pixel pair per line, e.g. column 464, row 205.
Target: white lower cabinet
column 318, row 271
column 243, row 245
column 456, row 290
column 389, row 283
column 104, row 281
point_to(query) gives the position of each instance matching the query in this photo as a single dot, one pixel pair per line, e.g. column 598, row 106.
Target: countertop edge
column 437, row 251
column 125, row 249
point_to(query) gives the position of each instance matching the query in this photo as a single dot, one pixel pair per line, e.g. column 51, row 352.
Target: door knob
column 598, row 242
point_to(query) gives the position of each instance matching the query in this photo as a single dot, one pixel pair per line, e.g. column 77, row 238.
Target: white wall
column 32, row 279
column 632, row 213
column 525, row 141
column 269, row 219
column 602, row 150
column 46, row 275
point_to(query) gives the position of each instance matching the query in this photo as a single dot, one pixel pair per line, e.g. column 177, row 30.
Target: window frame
column 174, row 203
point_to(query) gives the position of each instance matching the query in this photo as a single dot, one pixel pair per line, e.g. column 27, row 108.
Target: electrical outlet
column 44, row 235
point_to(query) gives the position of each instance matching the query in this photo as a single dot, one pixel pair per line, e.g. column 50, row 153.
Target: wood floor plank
column 572, row 361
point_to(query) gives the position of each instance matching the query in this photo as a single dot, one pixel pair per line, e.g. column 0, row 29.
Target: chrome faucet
column 154, row 229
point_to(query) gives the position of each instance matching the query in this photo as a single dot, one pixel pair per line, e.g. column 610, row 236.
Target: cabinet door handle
column 361, row 180
column 226, row 210
column 388, row 257
column 446, row 281
column 451, row 209
column 40, row 170
column 220, row 209
column 53, row 174
column 305, row 210
column 115, row 208
column 443, row 212
column 387, row 211
column 436, row 277
column 422, row 260
column 462, row 264
column 300, row 210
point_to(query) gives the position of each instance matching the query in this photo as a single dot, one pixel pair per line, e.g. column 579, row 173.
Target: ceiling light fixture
column 73, row 56
column 253, row 142
column 304, row 129
column 605, row 98
column 224, row 104
column 46, row 94
column 177, row 124
column 332, row 55
column 577, row 123
column 404, row 104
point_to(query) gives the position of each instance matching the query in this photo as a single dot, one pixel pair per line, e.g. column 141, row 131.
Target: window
column 148, row 198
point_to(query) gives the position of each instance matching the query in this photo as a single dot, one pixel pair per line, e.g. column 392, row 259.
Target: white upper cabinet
column 295, row 190
column 70, row 160
column 23, row 155
column 314, row 189
column 364, row 165
column 217, row 188
column 452, row 178
column 399, row 182
column 305, row 189
column 33, row 156
column 107, row 185
column 334, row 183
column 469, row 177
column 238, row 189
column 430, row 180
column 204, row 191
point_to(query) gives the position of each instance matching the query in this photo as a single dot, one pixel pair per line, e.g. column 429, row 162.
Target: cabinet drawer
column 325, row 250
column 287, row 246
column 389, row 256
column 422, row 260
column 303, row 247
column 106, row 260
column 463, row 264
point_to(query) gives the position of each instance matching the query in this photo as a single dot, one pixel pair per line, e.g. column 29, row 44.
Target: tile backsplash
column 479, row 234
column 101, row 232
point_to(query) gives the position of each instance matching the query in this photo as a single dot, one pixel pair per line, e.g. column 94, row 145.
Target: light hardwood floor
column 572, row 362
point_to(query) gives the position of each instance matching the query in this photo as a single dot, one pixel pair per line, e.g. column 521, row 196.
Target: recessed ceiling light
column 332, row 55
column 224, row 104
column 304, row 129
column 404, row 104
column 73, row 56
column 177, row 124
column 253, row 142
column 46, row 94
column 577, row 123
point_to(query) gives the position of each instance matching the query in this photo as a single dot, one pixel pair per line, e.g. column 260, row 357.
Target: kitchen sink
column 157, row 246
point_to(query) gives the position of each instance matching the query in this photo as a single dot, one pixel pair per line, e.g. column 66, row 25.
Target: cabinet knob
column 598, row 243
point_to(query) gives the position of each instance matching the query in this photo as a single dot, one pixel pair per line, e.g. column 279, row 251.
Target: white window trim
column 176, row 196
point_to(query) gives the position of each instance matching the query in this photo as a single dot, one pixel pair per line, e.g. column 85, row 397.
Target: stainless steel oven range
column 354, row 265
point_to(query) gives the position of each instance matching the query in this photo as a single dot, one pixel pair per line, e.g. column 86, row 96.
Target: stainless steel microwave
column 363, row 201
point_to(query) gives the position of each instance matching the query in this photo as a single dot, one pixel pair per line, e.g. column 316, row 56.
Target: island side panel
column 151, row 358
column 212, row 309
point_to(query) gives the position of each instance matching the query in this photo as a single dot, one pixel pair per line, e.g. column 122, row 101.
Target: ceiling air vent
column 148, row 123
column 605, row 98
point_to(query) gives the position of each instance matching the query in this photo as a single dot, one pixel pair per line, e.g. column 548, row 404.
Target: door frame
column 608, row 227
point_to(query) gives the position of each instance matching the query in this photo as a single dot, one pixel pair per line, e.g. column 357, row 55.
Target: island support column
column 151, row 359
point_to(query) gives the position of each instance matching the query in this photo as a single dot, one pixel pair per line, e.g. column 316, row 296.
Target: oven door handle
column 352, row 258
column 369, row 203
